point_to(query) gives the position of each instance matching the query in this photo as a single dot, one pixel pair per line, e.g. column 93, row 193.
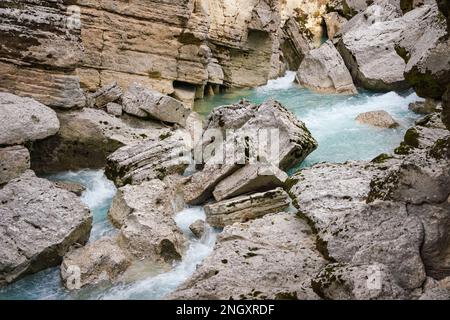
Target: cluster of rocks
column 39, row 220
column 382, row 45
column 362, row 230
column 44, row 224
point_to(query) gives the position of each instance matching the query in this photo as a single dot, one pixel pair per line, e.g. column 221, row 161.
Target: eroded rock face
column 387, row 51
column 39, row 223
column 147, row 229
column 324, row 70
column 40, row 51
column 24, row 120
column 14, row 161
column 360, row 282
column 87, row 138
column 395, row 209
column 247, row 207
column 98, row 262
column 334, row 23
column 269, row 258
column 359, row 233
column 380, row 119
column 148, row 160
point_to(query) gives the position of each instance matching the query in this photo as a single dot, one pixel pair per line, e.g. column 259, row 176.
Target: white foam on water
column 282, row 83
column 158, row 286
column 98, row 197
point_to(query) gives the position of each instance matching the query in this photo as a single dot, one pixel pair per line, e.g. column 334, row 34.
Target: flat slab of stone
column 24, row 119
column 144, row 102
column 251, row 178
column 38, row 224
column 14, row 161
column 245, row 208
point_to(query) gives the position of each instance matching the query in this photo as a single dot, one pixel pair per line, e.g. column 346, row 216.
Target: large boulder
column 421, row 181
column 367, row 46
column 148, row 160
column 247, row 207
column 333, row 198
column 144, row 214
column 424, row 107
column 292, row 140
column 24, row 120
column 87, row 138
column 274, row 257
column 324, row 70
column 394, row 209
column 378, row 118
column 147, row 103
column 425, row 50
column 198, row 228
column 14, row 161
column 98, row 262
column 38, row 224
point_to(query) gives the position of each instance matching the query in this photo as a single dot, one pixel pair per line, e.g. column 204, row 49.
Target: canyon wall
column 53, row 50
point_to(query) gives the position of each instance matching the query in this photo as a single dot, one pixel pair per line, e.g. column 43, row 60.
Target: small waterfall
column 158, row 286
column 98, row 197
column 285, row 82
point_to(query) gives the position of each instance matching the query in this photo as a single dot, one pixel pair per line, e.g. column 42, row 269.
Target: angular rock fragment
column 198, row 228
column 323, row 70
column 144, row 102
column 147, row 229
column 251, row 178
column 106, row 94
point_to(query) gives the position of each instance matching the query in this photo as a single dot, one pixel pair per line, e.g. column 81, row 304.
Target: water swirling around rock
column 330, row 118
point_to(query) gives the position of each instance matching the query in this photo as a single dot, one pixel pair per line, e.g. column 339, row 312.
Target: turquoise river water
column 331, row 120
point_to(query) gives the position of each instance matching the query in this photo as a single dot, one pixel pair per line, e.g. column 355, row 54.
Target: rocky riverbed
column 153, row 151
